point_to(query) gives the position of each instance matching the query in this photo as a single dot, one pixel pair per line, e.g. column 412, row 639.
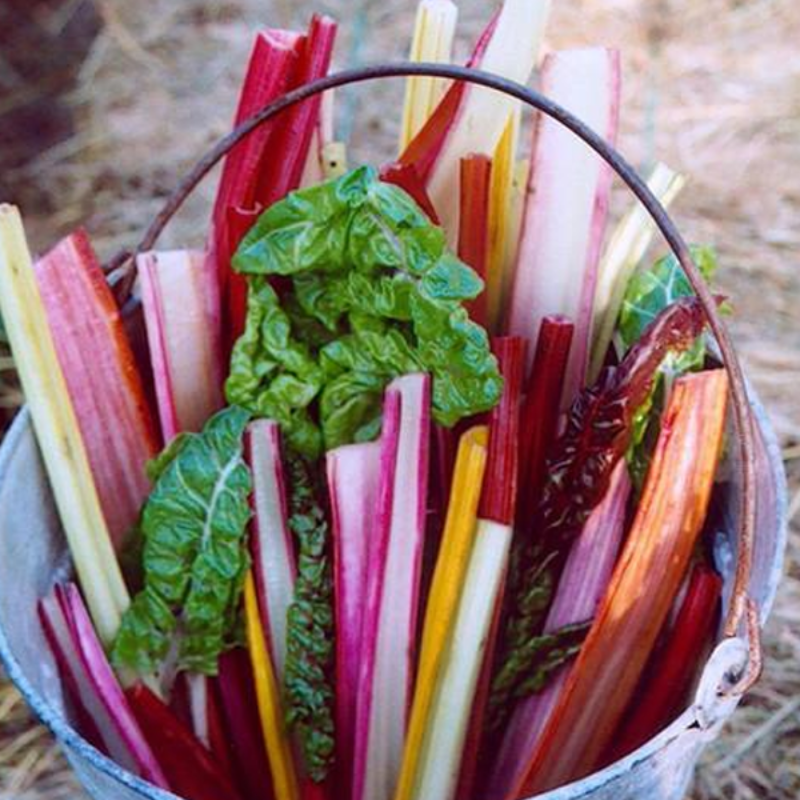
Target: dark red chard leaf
column 599, row 423
column 597, row 435
column 191, row 770
column 473, row 232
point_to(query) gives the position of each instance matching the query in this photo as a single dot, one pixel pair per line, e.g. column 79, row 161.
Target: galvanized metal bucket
column 749, row 545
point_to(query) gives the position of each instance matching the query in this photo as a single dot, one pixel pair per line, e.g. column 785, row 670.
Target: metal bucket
column 749, row 545
column 33, row 556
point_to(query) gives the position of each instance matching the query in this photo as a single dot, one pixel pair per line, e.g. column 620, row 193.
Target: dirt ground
column 712, row 87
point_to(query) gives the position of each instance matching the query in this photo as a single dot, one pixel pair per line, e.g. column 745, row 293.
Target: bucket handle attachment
column 743, row 612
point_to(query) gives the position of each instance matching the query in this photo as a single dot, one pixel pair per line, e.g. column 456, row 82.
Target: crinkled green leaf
column 373, row 294
column 273, row 373
column 195, row 557
column 652, row 290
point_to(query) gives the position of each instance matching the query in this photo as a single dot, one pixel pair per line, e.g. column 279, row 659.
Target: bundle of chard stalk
column 402, row 493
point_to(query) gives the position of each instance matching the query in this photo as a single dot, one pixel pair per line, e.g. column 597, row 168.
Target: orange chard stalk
column 674, row 664
column 649, row 573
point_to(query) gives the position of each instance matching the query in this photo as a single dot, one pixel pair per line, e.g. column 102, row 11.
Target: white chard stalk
column 444, row 740
column 625, row 250
column 512, row 53
column 57, row 430
column 568, row 195
column 434, row 31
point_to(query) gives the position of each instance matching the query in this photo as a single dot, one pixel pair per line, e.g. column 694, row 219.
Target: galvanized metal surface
column 33, row 555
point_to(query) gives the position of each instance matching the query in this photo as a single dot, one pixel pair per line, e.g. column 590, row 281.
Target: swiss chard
column 195, row 555
column 350, row 286
column 372, row 293
column 663, row 536
column 598, row 433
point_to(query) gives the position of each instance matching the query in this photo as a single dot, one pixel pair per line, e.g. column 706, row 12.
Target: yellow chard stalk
column 434, row 30
column 57, row 430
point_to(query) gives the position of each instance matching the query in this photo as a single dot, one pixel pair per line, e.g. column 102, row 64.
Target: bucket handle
column 743, row 611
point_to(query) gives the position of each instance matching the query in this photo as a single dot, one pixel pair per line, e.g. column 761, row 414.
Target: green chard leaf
column 195, row 557
column 649, row 292
column 370, row 278
column 652, row 290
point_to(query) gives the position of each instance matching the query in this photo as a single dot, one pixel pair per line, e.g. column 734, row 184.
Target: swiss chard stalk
column 541, row 408
column 598, row 433
column 195, row 555
column 235, row 692
column 102, row 378
column 509, row 47
column 626, row 248
column 580, row 590
column 505, row 220
column 268, row 698
column 294, row 131
column 473, row 235
column 271, row 543
column 569, row 191
column 448, row 578
column 93, row 686
column 191, row 770
column 181, row 303
column 270, row 70
column 390, row 617
column 674, row 663
column 424, row 149
column 57, row 429
column 434, row 30
column 353, row 473
column 459, row 705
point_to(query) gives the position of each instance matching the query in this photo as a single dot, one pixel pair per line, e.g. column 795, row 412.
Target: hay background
column 711, row 86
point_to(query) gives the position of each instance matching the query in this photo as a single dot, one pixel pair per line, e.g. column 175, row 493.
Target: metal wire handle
column 742, row 611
